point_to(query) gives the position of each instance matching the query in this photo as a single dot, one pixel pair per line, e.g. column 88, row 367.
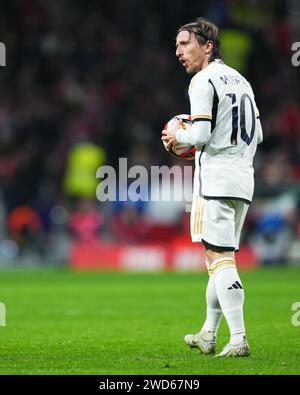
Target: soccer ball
column 180, row 150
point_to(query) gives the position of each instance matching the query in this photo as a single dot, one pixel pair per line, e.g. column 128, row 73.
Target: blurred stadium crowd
column 88, row 82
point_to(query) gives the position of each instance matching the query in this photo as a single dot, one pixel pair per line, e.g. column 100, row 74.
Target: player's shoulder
column 221, row 75
column 218, row 69
column 216, row 73
column 200, row 79
column 210, row 73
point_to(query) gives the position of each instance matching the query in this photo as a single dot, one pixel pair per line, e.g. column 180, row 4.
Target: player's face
column 190, row 53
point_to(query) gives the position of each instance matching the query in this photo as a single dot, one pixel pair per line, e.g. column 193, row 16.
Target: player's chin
column 189, row 70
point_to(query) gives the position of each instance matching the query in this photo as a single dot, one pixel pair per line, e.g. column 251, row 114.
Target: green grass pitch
column 64, row 322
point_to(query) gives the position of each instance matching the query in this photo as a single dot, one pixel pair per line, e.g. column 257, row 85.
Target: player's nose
column 178, row 52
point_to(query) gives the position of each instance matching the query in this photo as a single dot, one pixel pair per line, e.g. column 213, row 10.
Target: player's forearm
column 197, row 135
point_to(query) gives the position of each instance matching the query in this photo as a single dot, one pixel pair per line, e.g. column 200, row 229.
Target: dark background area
column 88, row 82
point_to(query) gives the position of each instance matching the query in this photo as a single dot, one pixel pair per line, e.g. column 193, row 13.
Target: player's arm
column 201, row 99
column 198, row 135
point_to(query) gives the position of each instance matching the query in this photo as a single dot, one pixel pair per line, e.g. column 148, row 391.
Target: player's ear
column 209, row 46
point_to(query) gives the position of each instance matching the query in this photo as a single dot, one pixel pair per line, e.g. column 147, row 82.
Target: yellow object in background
column 82, row 164
column 236, row 46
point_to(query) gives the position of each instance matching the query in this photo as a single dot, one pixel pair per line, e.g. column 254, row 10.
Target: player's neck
column 205, row 63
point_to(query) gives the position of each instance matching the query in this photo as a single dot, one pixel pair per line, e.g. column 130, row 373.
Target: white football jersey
column 224, row 166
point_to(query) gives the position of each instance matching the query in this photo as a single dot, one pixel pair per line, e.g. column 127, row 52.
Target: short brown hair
column 204, row 31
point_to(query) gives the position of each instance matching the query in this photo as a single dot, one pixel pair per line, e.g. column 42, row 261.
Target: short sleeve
column 201, row 99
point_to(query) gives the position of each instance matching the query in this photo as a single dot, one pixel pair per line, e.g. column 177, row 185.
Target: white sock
column 213, row 310
column 231, row 297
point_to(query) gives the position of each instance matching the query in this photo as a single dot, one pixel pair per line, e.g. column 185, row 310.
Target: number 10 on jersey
column 241, row 118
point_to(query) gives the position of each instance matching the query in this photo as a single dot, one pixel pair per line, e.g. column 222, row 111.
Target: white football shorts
column 217, row 222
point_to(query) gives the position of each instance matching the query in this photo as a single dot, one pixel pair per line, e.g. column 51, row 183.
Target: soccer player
column 225, row 131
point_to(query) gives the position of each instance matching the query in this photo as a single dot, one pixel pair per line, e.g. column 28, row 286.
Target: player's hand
column 169, row 137
column 170, row 134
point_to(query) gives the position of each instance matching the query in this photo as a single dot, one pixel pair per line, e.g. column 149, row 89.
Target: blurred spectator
column 128, row 226
column 83, row 161
column 236, row 47
column 274, row 227
column 85, row 222
column 24, row 227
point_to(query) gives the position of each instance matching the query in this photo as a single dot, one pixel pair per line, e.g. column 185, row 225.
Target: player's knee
column 216, row 261
column 208, row 264
column 222, row 263
column 213, row 255
column 210, row 255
